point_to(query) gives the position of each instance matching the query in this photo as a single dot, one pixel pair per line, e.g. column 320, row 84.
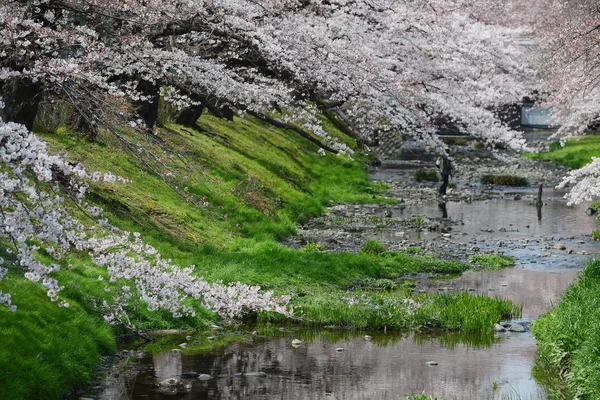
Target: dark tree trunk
column 21, row 100
column 148, row 110
column 189, row 115
column 218, row 110
column 81, row 124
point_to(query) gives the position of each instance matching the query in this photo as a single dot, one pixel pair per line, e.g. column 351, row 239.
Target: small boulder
column 499, row 328
column 170, row 383
column 432, row 363
column 204, row 377
column 516, row 328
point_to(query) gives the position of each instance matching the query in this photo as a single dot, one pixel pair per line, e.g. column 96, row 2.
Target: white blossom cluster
column 397, row 65
column 34, row 189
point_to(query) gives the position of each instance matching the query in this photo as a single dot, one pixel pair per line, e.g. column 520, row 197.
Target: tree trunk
column 21, row 100
column 188, row 116
column 148, row 110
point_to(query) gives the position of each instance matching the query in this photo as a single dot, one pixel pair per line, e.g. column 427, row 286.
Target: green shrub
column 373, row 247
column 455, row 141
column 492, row 261
column 506, row 180
column 313, row 246
column 479, row 145
column 554, row 146
column 425, row 175
column 596, row 234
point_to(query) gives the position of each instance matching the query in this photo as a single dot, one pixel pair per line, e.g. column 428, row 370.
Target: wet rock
column 296, row 342
column 204, row 377
column 339, row 349
column 171, row 383
column 259, row 374
column 189, row 337
column 499, row 328
column 184, row 345
column 368, row 338
column 514, row 327
column 176, row 351
column 432, row 363
column 189, row 374
column 211, row 338
column 559, row 246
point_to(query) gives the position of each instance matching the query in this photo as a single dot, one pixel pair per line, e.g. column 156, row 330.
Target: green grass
column 373, row 246
column 47, row 351
column 568, row 336
column 455, row 141
column 576, row 153
column 426, row 175
column 491, row 262
column 506, row 180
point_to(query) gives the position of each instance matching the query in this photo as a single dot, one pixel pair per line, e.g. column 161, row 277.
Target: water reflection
column 364, row 369
column 510, row 218
column 536, row 290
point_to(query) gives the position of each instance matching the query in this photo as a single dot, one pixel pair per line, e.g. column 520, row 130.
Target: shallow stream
column 550, row 249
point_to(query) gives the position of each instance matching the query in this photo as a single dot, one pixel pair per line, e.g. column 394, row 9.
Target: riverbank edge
column 568, row 344
column 53, row 352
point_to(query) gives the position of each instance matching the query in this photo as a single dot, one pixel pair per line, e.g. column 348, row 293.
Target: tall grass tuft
column 568, row 356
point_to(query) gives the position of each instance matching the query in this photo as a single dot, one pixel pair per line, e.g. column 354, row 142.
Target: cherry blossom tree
column 567, row 37
column 387, row 65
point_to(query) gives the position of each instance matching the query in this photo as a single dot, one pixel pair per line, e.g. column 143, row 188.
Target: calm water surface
column 389, row 367
column 329, row 365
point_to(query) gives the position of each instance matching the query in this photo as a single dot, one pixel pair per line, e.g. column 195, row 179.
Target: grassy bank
column 569, row 341
column 256, row 184
column 568, row 355
column 574, row 154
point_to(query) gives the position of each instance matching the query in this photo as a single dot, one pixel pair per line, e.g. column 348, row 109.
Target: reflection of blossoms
column 31, row 218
